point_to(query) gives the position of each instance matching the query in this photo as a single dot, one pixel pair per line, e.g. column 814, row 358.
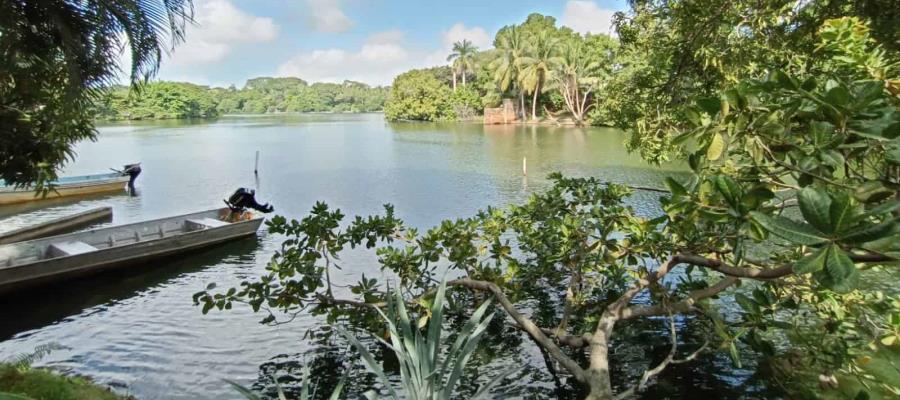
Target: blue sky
column 365, row 40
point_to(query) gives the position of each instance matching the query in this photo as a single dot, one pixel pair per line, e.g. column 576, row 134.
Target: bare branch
column 670, row 359
column 681, row 306
column 527, row 325
column 719, row 266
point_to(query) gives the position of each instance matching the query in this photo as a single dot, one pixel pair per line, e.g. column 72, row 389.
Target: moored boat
column 74, row 186
column 53, row 259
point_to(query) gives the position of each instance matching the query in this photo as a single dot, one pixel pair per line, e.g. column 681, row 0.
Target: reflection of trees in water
column 503, row 347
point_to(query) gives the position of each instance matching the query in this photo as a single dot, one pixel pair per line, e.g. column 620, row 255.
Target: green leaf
column 676, row 188
column 892, row 152
column 832, row 158
column 813, row 262
column 870, row 233
column 839, row 275
column 841, row 211
column 756, row 197
column 872, row 192
column 789, row 230
column 746, row 303
column 838, row 96
column 784, row 81
column 247, row 393
column 729, row 189
column 716, row 147
column 815, row 205
column 735, row 356
column 710, row 105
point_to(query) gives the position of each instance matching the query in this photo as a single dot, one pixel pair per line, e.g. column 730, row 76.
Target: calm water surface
column 139, row 331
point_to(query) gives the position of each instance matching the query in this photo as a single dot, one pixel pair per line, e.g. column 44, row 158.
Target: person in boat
column 241, row 200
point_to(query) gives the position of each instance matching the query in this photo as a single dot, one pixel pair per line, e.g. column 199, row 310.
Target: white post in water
column 256, row 164
column 525, row 166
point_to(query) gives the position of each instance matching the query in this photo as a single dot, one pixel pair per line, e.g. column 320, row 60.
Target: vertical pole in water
column 256, row 164
column 525, row 166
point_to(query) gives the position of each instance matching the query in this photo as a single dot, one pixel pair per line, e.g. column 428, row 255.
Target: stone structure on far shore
column 505, row 114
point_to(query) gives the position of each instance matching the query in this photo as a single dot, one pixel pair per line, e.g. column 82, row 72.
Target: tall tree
column 536, row 65
column 576, row 75
column 57, row 57
column 510, row 46
column 463, row 58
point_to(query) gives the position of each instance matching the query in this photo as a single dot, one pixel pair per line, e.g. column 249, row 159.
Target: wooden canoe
column 58, row 258
column 67, row 186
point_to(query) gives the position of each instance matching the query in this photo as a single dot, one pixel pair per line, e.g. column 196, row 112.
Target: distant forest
column 177, row 100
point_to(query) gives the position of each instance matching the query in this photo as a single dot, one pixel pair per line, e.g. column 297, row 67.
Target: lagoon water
column 139, row 331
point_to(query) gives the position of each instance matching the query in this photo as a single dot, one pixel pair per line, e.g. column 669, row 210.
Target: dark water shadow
column 640, row 345
column 46, row 305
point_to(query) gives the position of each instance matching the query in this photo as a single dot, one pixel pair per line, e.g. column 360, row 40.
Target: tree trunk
column 534, row 101
column 464, row 77
column 454, row 79
column 522, row 104
column 600, row 384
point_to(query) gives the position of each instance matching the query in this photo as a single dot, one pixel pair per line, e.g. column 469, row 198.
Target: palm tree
column 463, row 58
column 575, row 74
column 537, row 65
column 510, row 47
column 67, row 52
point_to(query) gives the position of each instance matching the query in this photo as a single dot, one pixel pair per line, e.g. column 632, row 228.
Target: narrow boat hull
column 58, row 226
column 15, row 196
column 38, row 272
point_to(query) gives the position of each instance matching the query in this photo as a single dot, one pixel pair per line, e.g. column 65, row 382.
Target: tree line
column 551, row 71
column 177, row 100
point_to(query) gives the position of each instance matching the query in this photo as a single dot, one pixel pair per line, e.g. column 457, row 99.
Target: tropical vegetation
column 20, row 381
column 551, row 70
column 57, row 57
column 773, row 245
column 175, row 100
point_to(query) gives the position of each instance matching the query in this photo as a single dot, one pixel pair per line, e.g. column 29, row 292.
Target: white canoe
column 57, row 258
column 67, row 186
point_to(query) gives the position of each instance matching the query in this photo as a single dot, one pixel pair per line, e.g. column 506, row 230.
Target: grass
column 20, row 383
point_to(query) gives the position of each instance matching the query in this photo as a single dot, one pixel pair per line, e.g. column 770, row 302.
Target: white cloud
column 220, row 26
column 383, row 56
column 587, row 17
column 477, row 35
column 376, row 62
column 328, row 17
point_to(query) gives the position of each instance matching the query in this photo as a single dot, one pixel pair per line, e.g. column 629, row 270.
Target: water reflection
column 50, row 304
column 141, row 333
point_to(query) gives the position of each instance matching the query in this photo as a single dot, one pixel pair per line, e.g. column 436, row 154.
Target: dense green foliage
column 793, row 202
column 174, row 100
column 20, row 381
column 673, row 52
column 418, row 95
column 160, row 100
column 40, row 384
column 56, row 57
column 554, row 69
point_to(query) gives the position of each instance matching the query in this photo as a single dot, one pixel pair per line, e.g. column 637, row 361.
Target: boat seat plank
column 205, row 223
column 69, row 248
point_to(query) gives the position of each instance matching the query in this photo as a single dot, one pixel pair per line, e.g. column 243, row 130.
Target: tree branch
column 527, row 325
column 682, row 306
column 719, row 266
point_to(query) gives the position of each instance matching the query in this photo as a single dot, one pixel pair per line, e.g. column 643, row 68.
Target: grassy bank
column 19, row 383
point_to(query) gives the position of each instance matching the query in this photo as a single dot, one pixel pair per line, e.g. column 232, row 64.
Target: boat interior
column 109, row 237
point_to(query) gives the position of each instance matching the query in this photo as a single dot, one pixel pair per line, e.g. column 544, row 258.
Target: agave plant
column 426, row 373
column 307, row 390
